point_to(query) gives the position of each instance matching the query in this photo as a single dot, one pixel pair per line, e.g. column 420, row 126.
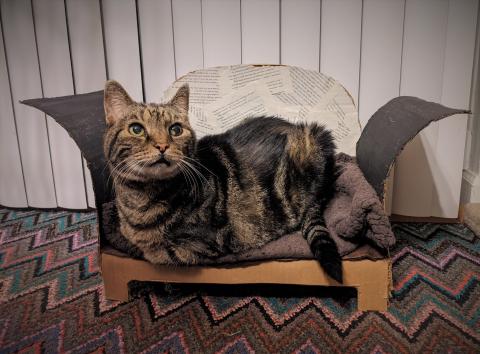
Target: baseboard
column 429, row 219
column 470, row 187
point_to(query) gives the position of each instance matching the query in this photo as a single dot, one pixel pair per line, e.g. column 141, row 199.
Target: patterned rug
column 52, row 300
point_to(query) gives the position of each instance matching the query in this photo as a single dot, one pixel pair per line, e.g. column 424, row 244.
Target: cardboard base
column 372, row 279
column 428, row 219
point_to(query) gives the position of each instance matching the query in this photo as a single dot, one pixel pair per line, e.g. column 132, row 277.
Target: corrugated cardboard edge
column 372, row 279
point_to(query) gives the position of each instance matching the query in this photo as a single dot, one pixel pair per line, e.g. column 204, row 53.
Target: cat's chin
column 163, row 171
column 157, row 172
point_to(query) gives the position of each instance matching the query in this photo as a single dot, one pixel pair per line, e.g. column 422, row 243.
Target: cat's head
column 146, row 142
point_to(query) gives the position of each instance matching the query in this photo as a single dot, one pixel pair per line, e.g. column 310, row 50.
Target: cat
column 180, row 200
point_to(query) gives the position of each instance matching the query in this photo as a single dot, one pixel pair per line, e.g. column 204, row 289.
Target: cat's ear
column 180, row 100
column 115, row 101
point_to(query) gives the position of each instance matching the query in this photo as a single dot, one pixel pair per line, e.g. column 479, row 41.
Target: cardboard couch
column 222, row 97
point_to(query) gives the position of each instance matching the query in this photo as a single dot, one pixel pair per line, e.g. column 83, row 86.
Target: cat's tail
column 322, row 245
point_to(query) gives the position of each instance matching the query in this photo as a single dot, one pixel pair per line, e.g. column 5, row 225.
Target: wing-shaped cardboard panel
column 83, row 117
column 389, row 130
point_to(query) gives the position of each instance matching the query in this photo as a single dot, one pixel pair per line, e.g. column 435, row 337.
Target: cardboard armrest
column 389, row 130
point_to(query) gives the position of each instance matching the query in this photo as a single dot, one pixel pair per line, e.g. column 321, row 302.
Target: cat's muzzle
column 161, row 160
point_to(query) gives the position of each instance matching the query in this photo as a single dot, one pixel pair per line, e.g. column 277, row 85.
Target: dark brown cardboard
column 389, row 130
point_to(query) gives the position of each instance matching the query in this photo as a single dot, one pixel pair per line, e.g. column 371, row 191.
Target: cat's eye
column 176, row 130
column 136, row 129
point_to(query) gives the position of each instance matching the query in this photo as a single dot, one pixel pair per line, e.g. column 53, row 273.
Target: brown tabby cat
column 181, row 200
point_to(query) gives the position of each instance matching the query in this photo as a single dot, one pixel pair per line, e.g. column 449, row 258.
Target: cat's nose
column 162, row 147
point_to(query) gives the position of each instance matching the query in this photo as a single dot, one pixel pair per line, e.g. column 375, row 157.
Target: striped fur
column 224, row 193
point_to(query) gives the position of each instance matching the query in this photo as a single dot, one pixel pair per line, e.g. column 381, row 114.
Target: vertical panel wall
column 57, row 80
column 187, row 35
column 419, row 180
column 300, row 33
column 457, row 79
column 260, row 31
column 381, row 55
column 121, row 45
column 471, row 175
column 377, row 49
column 12, row 188
column 221, row 32
column 156, row 39
column 341, row 40
column 22, row 59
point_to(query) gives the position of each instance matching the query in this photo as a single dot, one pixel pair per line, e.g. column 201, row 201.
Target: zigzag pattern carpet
column 52, row 300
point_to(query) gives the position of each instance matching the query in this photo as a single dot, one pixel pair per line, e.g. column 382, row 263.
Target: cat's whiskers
column 188, row 178
column 183, row 174
column 124, row 170
column 193, row 168
column 200, row 164
column 117, row 170
column 124, row 173
column 113, row 170
column 191, row 172
column 134, row 158
column 196, row 187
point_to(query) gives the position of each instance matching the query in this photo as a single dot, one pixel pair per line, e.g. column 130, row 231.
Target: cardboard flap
column 83, row 118
column 389, row 130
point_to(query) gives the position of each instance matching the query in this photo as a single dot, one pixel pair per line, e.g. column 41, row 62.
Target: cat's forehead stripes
column 147, row 115
column 135, row 112
column 155, row 114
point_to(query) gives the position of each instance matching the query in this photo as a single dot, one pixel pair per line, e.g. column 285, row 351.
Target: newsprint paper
column 222, row 97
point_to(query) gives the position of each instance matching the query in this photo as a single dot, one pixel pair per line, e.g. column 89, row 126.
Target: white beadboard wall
column 378, row 49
